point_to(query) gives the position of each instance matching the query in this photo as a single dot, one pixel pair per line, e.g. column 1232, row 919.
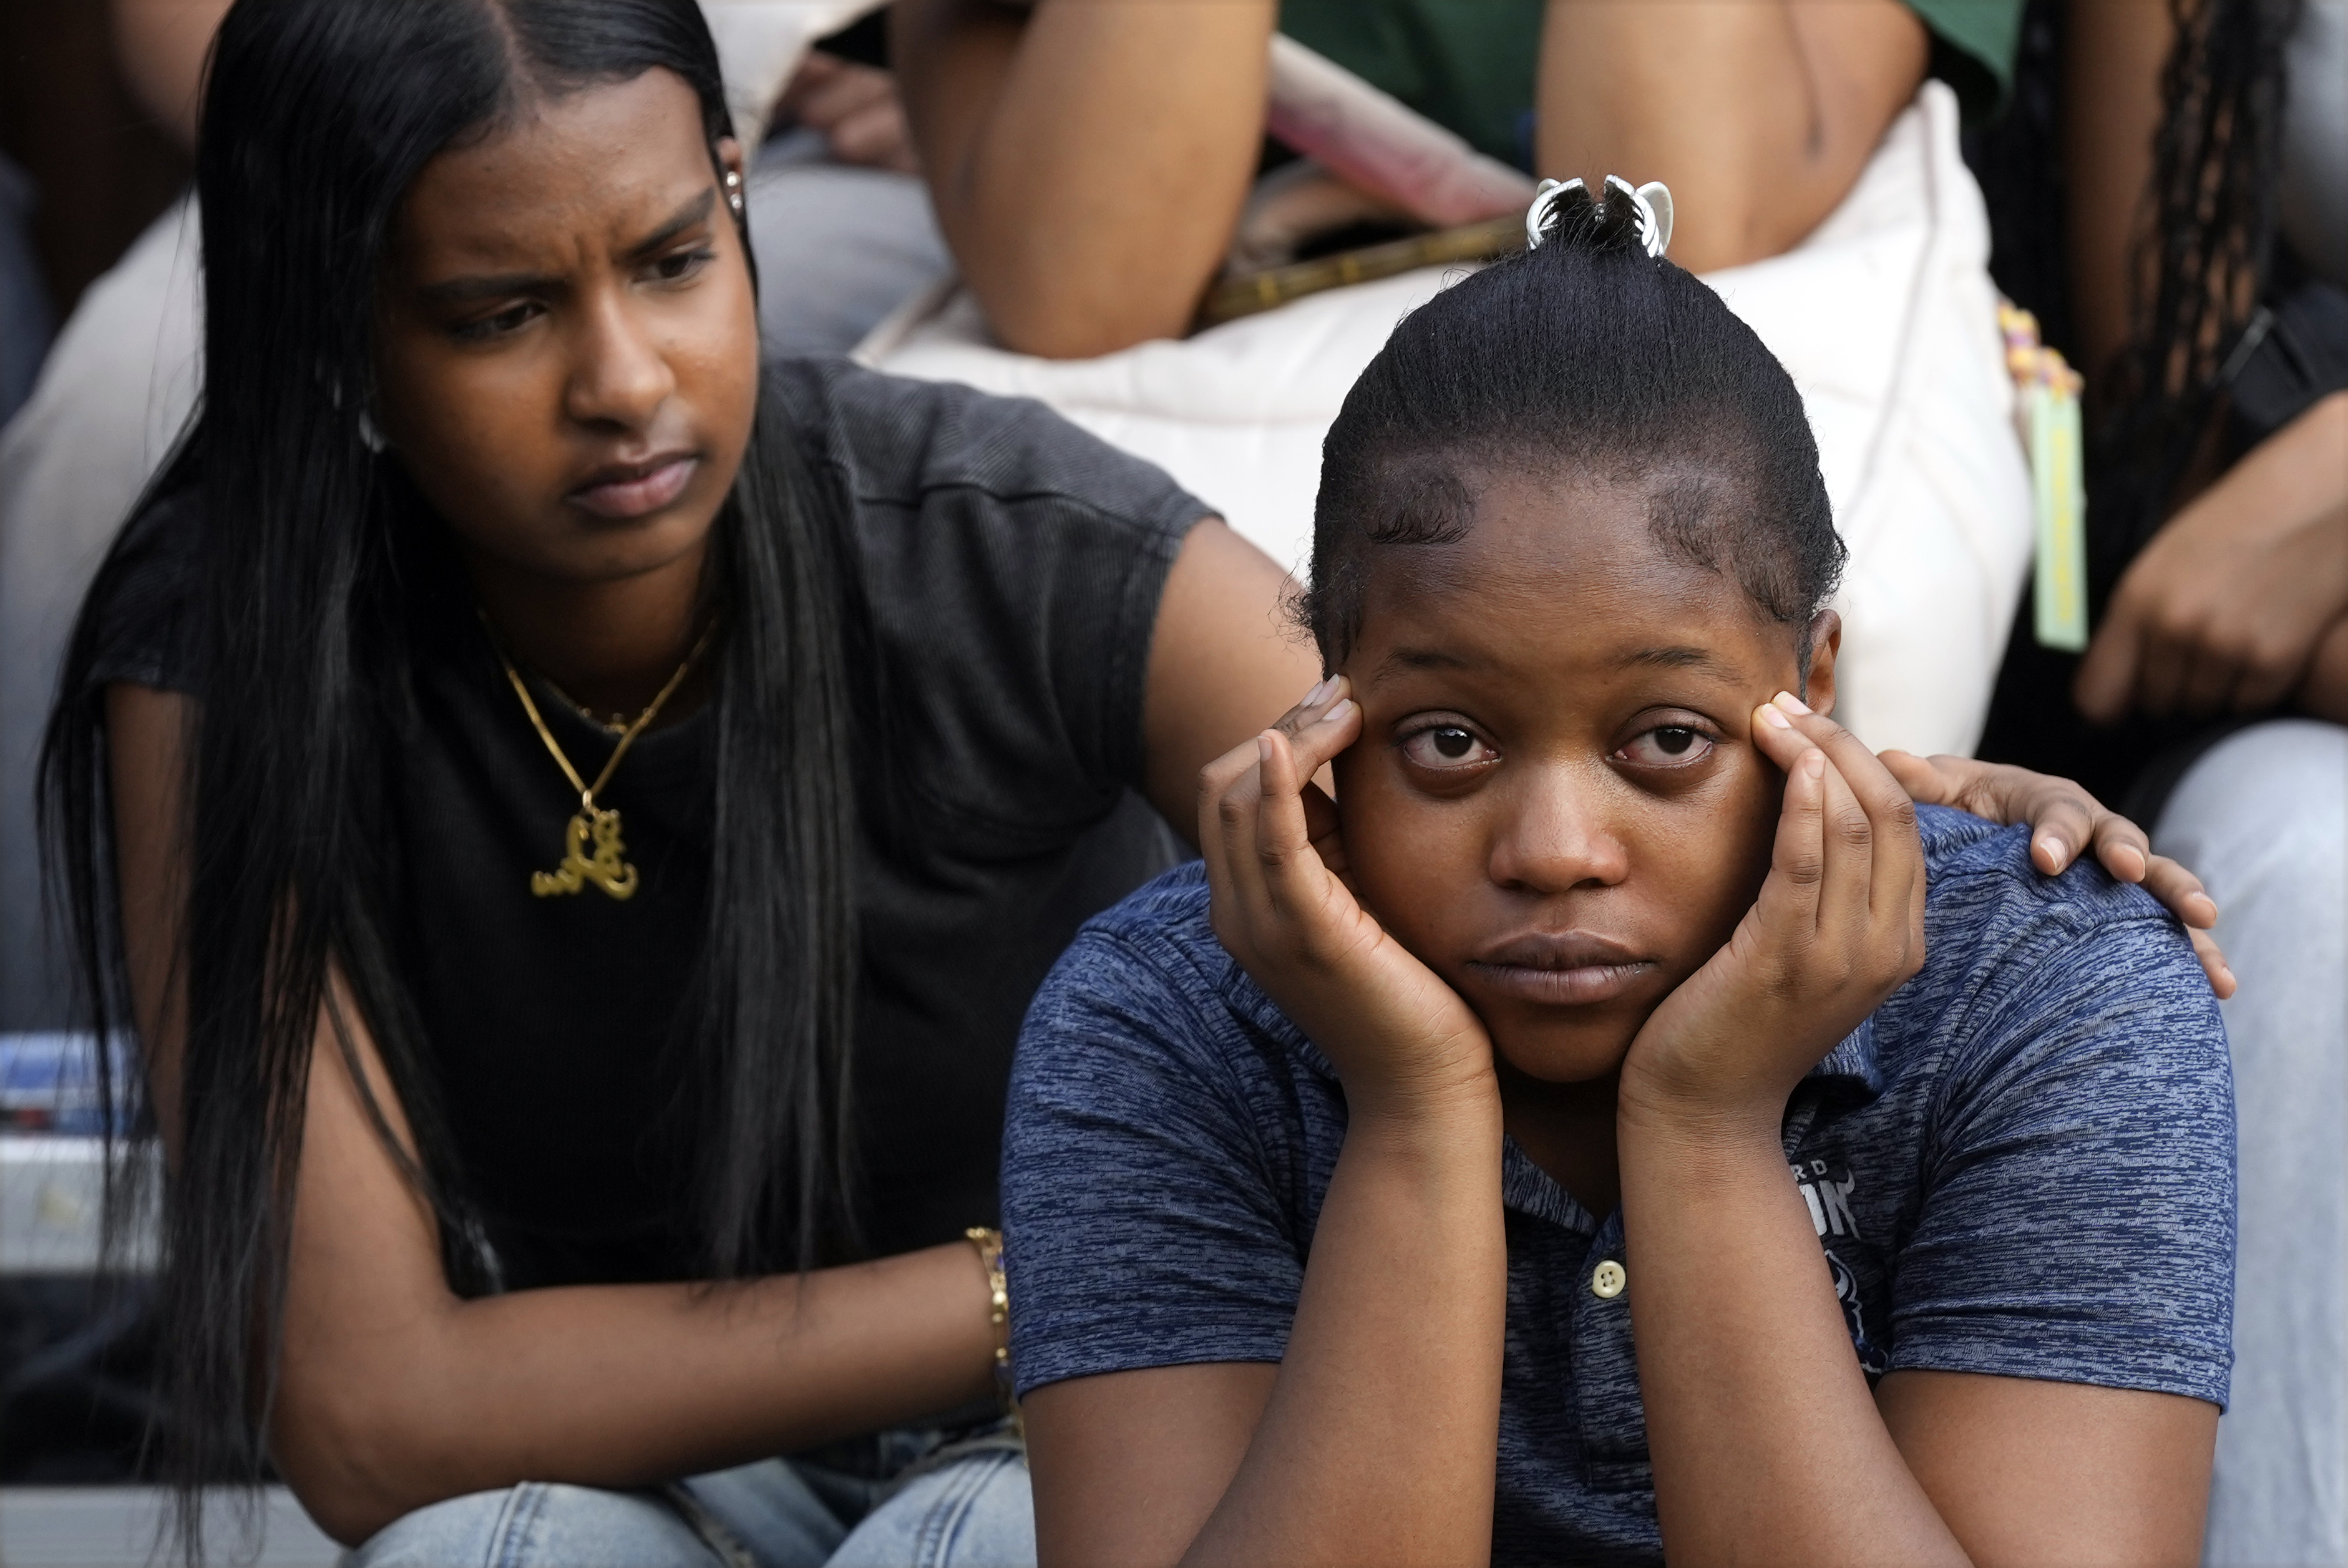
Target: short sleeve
column 1974, row 43
column 1142, row 1226
column 143, row 607
column 1013, row 565
column 2078, row 1216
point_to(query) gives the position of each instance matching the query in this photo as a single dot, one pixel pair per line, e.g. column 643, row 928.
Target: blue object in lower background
column 76, row 1346
column 49, row 1085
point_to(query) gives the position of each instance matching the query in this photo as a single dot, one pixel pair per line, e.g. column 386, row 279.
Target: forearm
column 1087, row 160
column 2111, row 108
column 1759, row 116
column 1380, row 1438
column 161, row 46
column 1766, row 1440
column 624, row 1385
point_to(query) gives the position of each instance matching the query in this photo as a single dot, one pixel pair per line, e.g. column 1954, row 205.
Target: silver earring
column 733, row 191
column 370, row 434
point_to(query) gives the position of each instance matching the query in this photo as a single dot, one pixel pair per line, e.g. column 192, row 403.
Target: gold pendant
column 604, row 868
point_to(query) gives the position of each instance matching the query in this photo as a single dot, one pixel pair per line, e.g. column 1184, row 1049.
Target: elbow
column 359, row 1451
column 1064, row 302
column 1065, row 324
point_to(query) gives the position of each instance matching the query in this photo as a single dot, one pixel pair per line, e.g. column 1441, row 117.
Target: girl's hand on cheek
column 1839, row 925
column 1403, row 1041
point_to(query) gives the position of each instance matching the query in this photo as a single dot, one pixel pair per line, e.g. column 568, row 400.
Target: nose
column 619, row 377
column 1556, row 833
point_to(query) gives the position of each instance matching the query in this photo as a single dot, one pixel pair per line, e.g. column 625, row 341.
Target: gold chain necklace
column 605, row 866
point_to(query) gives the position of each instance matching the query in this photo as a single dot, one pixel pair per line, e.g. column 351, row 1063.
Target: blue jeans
column 965, row 1506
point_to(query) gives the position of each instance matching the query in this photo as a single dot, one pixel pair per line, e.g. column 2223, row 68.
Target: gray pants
column 2263, row 818
column 837, row 248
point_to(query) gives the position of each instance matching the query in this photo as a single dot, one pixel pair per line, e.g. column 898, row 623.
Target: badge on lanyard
column 2047, row 408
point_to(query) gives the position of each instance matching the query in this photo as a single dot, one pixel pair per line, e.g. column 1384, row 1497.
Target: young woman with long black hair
column 575, row 816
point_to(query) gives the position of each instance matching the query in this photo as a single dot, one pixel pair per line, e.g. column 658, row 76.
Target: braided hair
column 2204, row 265
column 2204, row 262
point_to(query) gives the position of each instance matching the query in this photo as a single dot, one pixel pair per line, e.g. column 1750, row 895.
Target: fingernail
column 1263, row 749
column 1770, row 715
column 1789, row 702
column 1337, row 714
column 2056, row 848
column 1815, row 764
column 1312, row 698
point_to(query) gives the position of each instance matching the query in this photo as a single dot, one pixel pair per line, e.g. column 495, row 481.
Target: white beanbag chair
column 1885, row 317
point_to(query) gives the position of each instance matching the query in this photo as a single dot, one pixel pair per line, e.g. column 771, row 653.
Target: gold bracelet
column 989, row 1244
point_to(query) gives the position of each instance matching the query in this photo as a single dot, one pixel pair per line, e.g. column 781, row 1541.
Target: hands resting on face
column 1838, row 925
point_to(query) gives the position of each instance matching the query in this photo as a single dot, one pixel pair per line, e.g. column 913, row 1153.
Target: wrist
column 1454, row 1123
column 988, row 1244
column 1653, row 1108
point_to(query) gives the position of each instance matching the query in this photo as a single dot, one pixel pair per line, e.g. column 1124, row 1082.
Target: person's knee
column 2269, row 799
column 975, row 1512
column 536, row 1525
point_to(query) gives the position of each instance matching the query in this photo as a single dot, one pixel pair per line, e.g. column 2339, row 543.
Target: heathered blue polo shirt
column 2023, row 1164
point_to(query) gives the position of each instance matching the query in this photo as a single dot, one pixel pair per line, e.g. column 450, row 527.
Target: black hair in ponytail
column 318, row 117
column 1585, row 356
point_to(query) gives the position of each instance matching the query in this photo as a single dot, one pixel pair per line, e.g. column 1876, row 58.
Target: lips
column 634, row 489
column 1568, row 968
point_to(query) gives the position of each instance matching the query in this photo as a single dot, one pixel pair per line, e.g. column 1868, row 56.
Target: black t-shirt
column 1013, row 566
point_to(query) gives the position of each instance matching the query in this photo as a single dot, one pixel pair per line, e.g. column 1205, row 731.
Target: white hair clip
column 1541, row 216
column 1652, row 203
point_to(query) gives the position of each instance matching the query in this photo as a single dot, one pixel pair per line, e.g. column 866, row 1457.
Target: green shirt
column 1471, row 64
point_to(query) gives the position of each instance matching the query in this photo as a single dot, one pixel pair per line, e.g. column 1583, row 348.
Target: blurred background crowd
column 2162, row 184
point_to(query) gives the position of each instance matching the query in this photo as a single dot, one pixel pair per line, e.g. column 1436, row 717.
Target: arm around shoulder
column 1225, row 660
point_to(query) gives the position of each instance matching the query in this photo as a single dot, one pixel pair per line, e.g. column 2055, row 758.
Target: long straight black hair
column 319, row 116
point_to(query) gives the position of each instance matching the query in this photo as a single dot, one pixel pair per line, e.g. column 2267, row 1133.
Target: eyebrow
column 498, row 285
column 1679, row 657
column 1403, row 659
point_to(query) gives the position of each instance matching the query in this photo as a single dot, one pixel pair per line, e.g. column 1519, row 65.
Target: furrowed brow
column 696, row 210
column 503, row 285
column 484, row 286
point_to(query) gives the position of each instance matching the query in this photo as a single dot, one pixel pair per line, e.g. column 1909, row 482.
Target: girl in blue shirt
column 1413, row 1183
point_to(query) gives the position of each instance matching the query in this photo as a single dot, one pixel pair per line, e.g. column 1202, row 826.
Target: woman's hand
column 1838, row 926
column 856, row 107
column 2224, row 610
column 2063, row 818
column 1398, row 1035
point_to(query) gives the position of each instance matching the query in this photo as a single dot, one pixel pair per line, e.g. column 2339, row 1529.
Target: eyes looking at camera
column 1446, row 751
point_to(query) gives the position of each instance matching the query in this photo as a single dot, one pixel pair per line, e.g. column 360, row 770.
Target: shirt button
column 1606, row 1281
